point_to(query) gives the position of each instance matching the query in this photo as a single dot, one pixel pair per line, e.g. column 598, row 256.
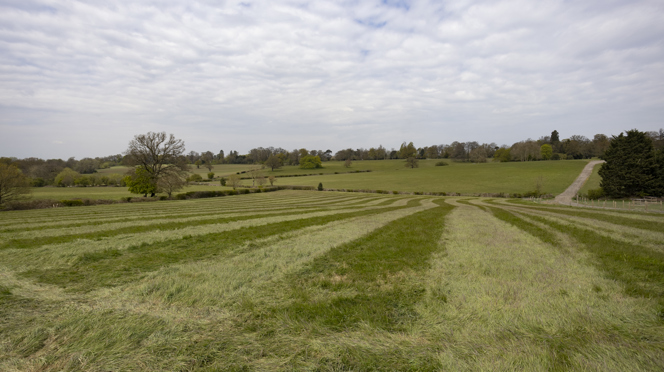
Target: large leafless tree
column 158, row 154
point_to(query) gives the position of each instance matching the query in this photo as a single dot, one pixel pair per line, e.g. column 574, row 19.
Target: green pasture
column 102, row 192
column 390, row 175
column 493, row 177
column 117, row 169
column 331, row 281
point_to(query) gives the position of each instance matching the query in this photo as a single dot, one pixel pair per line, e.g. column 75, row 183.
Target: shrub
column 210, row 175
column 127, row 198
column 222, row 181
column 195, row 178
column 71, row 203
column 320, row 186
column 163, row 197
column 310, row 162
column 38, row 182
column 441, row 163
column 395, row 192
column 595, row 194
column 181, row 196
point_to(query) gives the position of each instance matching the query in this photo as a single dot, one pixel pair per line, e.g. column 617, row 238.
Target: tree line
column 159, row 162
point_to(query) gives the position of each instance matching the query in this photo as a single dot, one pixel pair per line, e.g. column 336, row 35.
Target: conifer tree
column 630, row 168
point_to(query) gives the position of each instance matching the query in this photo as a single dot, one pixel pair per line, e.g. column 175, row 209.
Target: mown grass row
column 170, row 207
column 376, row 282
column 639, row 268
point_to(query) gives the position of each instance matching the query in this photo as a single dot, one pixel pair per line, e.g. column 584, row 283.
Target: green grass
column 457, row 177
column 593, row 181
column 104, row 193
column 389, row 175
column 307, row 280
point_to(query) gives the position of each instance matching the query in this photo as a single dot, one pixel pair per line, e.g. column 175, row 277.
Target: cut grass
column 112, row 267
column 331, row 281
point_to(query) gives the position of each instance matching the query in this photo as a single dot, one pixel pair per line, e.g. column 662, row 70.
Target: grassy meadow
column 327, row 281
column 104, row 193
column 390, row 175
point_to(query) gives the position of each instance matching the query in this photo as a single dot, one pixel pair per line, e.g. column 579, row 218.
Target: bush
column 195, row 178
column 163, row 197
column 222, row 181
column 595, row 194
column 210, row 175
column 320, row 186
column 310, row 162
column 71, row 203
column 127, row 198
column 181, row 197
column 38, row 182
column 441, row 163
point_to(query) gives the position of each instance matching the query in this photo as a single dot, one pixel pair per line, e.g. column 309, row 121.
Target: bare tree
column 170, row 183
column 13, row 184
column 235, row 181
column 157, row 154
column 255, row 174
column 478, row 155
column 261, row 181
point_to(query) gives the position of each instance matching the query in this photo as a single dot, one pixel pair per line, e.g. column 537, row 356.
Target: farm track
column 566, row 196
column 331, row 281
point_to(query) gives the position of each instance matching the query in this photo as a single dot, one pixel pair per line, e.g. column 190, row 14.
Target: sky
column 82, row 78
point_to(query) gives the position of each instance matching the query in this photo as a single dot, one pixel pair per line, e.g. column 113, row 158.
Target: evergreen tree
column 555, row 141
column 658, row 190
column 630, row 168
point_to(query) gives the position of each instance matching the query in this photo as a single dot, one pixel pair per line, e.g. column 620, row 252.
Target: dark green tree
column 658, row 190
column 631, row 167
column 320, row 186
column 555, row 141
column 273, row 162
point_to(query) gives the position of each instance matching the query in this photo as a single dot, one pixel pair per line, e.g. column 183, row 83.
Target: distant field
column 325, row 281
column 106, row 193
column 388, row 175
column 492, row 177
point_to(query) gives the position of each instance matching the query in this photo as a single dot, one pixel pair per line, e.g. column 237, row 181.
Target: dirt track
column 573, row 189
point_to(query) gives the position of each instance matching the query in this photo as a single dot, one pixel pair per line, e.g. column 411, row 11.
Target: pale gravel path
column 567, row 195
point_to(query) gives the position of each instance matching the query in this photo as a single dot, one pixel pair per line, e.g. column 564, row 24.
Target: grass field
column 306, row 280
column 467, row 178
column 391, row 175
column 105, row 193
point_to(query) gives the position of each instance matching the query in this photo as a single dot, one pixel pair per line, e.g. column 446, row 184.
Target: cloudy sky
column 81, row 78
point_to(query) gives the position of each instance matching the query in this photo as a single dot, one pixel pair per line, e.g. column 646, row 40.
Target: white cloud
column 323, row 74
